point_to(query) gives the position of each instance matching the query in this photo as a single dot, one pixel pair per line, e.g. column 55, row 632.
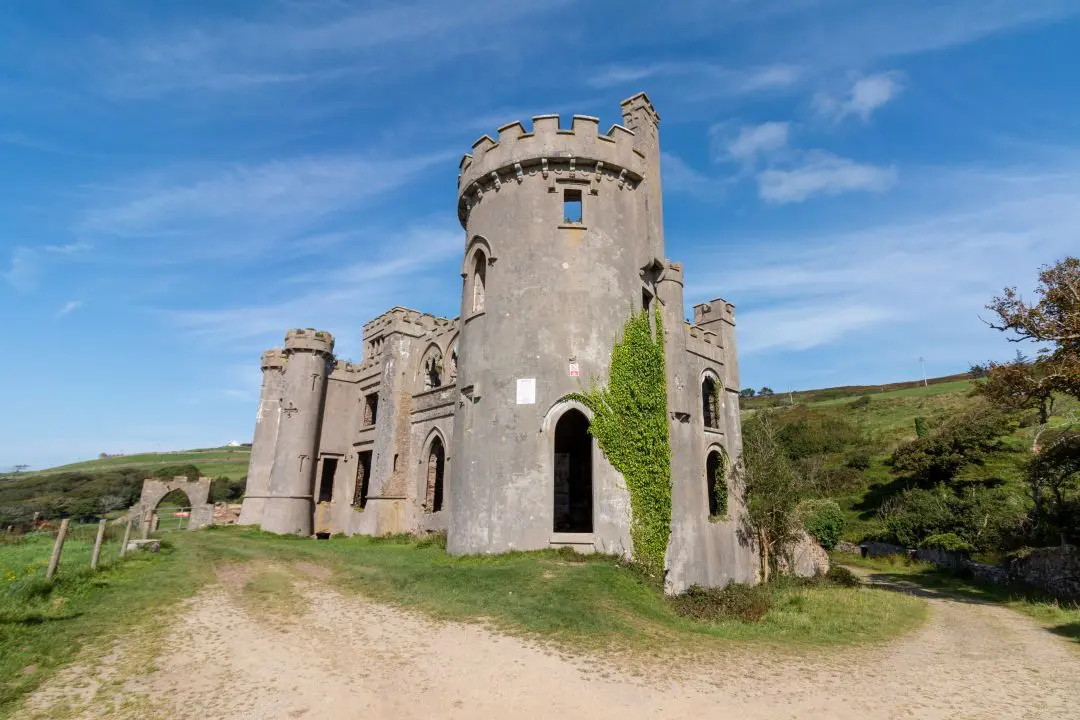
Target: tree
column 1054, row 323
column 747, row 392
column 765, row 391
column 772, row 490
column 977, row 370
column 19, row 469
column 963, row 440
column 1021, row 384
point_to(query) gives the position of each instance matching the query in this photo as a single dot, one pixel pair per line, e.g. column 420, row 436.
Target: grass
column 590, row 603
column 231, row 462
column 1058, row 617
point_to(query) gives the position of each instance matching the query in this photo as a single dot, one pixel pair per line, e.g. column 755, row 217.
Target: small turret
column 267, row 422
column 308, row 362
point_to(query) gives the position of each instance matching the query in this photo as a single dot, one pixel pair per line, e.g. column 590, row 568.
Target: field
column 230, row 462
column 574, row 602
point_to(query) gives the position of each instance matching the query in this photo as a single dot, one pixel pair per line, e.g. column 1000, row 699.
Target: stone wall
column 1056, row 570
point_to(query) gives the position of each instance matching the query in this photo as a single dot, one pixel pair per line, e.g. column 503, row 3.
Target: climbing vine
column 630, row 426
column 720, row 488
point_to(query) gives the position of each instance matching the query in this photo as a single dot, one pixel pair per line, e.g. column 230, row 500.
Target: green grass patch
column 1058, row 617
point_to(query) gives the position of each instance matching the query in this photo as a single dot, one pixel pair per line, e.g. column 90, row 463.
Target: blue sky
column 183, row 181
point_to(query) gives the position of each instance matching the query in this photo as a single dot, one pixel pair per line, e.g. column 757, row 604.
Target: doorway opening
column 573, row 474
column 326, row 480
column 436, row 469
column 363, row 479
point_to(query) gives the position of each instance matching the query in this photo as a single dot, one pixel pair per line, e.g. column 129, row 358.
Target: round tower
column 289, row 505
column 267, row 420
column 558, row 230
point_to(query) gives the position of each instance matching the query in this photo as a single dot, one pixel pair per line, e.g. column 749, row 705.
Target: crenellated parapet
column 309, row 340
column 273, row 359
column 703, row 342
column 548, row 150
column 718, row 310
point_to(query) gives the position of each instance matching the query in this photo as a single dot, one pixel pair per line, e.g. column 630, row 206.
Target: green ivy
column 630, row 426
column 720, row 488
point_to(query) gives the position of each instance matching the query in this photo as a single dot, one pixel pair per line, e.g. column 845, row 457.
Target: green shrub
column 921, row 428
column 823, row 520
column 840, row 575
column 946, row 541
column 859, row 459
column 745, row 603
column 860, row 402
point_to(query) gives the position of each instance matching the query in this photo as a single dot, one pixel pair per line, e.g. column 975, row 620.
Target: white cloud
column 788, row 327
column 243, row 209
column 913, row 281
column 679, row 177
column 69, row 249
column 23, row 272
column 866, row 95
column 754, row 140
column 701, row 80
column 69, row 307
column 821, row 173
column 344, row 296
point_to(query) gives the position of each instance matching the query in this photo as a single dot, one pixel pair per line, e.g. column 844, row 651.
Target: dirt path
column 347, row 658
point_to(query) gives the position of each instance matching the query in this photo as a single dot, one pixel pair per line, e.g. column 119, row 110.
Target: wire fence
column 67, row 550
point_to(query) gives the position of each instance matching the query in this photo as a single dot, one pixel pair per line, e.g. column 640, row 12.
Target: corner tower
column 559, row 223
column 267, row 422
column 289, row 506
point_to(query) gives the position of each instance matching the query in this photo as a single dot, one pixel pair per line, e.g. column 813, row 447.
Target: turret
column 308, row 360
column 556, row 236
column 718, row 316
column 641, row 118
column 267, row 421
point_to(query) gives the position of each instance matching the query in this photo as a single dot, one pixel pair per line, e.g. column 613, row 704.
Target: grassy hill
column 230, row 462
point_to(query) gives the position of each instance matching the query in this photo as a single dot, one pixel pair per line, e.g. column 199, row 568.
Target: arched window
column 451, row 368
column 479, row 281
column 573, row 474
column 436, row 469
column 433, row 370
column 710, row 402
column 716, row 483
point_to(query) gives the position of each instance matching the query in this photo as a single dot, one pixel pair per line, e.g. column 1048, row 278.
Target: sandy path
column 347, row 658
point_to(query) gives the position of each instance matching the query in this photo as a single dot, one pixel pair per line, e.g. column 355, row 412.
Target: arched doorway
column 436, row 470
column 573, row 474
column 716, row 482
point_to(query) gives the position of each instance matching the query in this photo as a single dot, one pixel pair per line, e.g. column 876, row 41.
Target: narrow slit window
column 572, row 207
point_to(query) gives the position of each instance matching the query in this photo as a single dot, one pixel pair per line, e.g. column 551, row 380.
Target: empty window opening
column 573, row 474
column 433, row 372
column 363, row 478
column 716, row 482
column 646, row 300
column 436, row 469
column 371, row 409
column 395, row 461
column 326, row 480
column 572, row 207
column 479, row 282
column 710, row 403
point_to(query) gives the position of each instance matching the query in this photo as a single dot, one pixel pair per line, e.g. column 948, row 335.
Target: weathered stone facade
column 464, row 425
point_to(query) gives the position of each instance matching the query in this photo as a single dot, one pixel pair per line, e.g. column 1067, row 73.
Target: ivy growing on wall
column 630, row 426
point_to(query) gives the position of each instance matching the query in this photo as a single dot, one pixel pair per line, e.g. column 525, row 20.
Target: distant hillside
column 852, row 391
column 230, row 462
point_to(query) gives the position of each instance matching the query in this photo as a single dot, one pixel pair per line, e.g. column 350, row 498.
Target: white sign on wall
column 526, row 391
column 575, row 370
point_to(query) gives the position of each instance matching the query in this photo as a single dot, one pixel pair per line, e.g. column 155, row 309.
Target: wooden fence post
column 97, row 544
column 127, row 532
column 58, row 546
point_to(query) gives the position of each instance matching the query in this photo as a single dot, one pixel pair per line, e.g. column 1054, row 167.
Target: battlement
column 309, row 340
column 579, row 150
column 703, row 342
column 273, row 359
column 714, row 311
column 397, row 314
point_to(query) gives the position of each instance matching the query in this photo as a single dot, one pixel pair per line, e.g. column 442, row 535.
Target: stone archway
column 197, row 491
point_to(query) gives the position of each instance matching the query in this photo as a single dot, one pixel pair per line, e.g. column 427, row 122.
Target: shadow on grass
column 1068, row 630
column 35, row 618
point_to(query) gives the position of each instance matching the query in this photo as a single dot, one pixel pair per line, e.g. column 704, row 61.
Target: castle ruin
column 464, row 425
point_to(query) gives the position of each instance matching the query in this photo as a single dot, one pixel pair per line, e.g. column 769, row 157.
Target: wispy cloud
column 345, row 296
column 69, row 249
column 866, row 95
column 915, row 281
column 701, row 79
column 23, row 272
column 821, row 173
column 244, row 208
column 69, row 307
column 749, row 141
